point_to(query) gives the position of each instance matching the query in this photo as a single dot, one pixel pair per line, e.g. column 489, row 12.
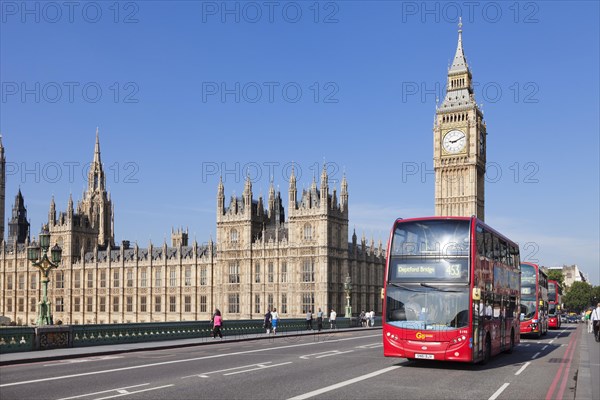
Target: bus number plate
column 424, row 356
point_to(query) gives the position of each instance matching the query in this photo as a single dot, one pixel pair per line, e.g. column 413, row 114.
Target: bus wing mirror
column 476, row 294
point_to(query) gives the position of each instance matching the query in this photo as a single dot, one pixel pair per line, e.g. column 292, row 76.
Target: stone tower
column 318, row 225
column 459, row 143
column 96, row 203
column 91, row 225
column 18, row 227
column 2, row 189
column 179, row 237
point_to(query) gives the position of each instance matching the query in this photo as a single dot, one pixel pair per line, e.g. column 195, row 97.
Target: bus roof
column 455, row 218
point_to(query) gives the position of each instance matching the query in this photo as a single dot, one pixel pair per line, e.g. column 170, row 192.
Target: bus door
column 478, row 331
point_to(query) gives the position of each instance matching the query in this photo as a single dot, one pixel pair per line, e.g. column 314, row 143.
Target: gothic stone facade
column 259, row 260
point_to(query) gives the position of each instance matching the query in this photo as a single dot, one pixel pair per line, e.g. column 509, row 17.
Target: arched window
column 233, row 236
column 308, row 234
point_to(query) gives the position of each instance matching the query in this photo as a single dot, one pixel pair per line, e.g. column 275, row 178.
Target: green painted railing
column 27, row 339
column 14, row 340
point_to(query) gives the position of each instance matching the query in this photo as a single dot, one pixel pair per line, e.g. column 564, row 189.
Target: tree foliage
column 579, row 297
column 557, row 275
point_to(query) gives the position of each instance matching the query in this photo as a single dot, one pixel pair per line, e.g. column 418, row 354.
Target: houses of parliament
column 260, row 260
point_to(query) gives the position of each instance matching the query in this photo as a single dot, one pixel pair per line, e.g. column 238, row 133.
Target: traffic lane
column 552, row 369
column 440, row 380
column 284, row 376
column 325, row 362
column 48, row 369
column 69, row 382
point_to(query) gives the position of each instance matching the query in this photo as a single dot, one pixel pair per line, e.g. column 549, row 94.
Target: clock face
column 454, row 141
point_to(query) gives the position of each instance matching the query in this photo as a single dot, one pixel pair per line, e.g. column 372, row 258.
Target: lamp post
column 348, row 290
column 38, row 255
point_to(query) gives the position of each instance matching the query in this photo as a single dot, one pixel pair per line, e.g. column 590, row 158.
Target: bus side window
column 480, row 242
column 489, row 251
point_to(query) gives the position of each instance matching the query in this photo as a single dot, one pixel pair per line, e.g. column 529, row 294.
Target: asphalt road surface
column 347, row 365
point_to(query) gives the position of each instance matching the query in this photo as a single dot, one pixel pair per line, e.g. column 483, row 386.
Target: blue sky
column 183, row 92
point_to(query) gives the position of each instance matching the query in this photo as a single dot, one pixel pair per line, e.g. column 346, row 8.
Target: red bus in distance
column 534, row 300
column 451, row 290
column 554, row 304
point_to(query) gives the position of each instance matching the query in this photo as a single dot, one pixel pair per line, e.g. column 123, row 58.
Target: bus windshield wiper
column 438, row 289
column 402, row 287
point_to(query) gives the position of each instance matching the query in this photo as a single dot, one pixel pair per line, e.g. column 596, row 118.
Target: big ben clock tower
column 459, row 145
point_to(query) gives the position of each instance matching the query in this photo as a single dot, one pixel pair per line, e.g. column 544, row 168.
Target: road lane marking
column 523, row 368
column 82, row 360
column 237, row 353
column 370, row 346
column 102, row 392
column 559, row 374
column 545, row 347
column 535, row 355
column 325, row 354
column 260, row 366
column 342, row 384
column 139, row 391
column 205, row 374
column 499, row 391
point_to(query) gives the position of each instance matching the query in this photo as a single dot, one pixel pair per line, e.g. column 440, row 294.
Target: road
column 346, row 365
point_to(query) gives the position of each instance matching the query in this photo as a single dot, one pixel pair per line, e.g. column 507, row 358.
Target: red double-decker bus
column 534, row 300
column 554, row 299
column 451, row 290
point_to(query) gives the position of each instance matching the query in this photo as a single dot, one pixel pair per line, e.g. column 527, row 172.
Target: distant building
column 571, row 274
column 260, row 260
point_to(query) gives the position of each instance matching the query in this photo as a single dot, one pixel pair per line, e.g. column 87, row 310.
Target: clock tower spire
column 459, row 144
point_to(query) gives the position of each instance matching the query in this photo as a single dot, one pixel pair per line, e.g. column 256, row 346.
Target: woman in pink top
column 217, row 321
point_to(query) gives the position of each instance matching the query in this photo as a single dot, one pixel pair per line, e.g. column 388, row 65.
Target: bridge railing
column 15, row 339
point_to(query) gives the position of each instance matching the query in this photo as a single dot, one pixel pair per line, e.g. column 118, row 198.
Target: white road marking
column 370, row 346
column 104, row 391
column 535, row 355
column 106, row 371
column 205, row 374
column 545, row 347
column 499, row 391
column 82, row 360
column 256, row 369
column 139, row 391
column 523, row 368
column 342, row 384
column 325, row 354
column 335, row 354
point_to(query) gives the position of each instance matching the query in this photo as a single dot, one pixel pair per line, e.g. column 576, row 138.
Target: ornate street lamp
column 348, row 290
column 38, row 255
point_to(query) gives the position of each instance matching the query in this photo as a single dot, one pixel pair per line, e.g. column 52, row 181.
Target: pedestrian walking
column 332, row 317
column 588, row 321
column 595, row 317
column 309, row 320
column 363, row 318
column 274, row 320
column 267, row 321
column 217, row 322
column 319, row 320
column 372, row 318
